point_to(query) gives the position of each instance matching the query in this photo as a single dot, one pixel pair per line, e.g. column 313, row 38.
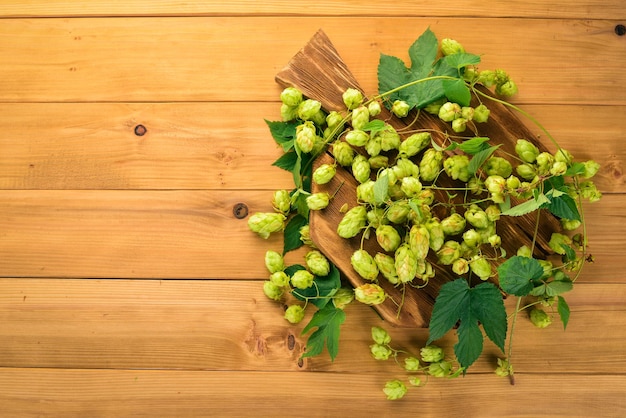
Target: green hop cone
column 357, row 137
column 440, row 369
column 398, row 212
column 449, row 253
column 361, row 169
column 487, row 78
column 498, row 166
column 305, row 136
column 318, row 201
column 570, row 224
column 457, row 167
column 459, row 125
column 308, row 109
column 493, row 213
column 476, row 217
column 343, row 153
column 387, row 267
column 450, row 46
column 324, row 173
column 360, row 117
column 411, row 186
column 374, row 146
column 343, row 297
column 406, row 264
column 317, row 263
column 544, row 162
column 274, row 261
column 591, row 168
column 352, row 98
column 558, row 168
column 380, row 352
column 374, row 108
column 563, row 156
column 280, row 279
column 388, row 237
column 431, row 164
column 288, row 113
column 507, row 89
column 352, row 222
column 370, row 294
column 294, row 314
column 460, row 266
column 376, row 217
column 481, row 114
column 380, row 336
column 472, row 238
column 405, row 168
column 334, row 121
column 305, row 236
column 431, row 354
column 504, row 368
column 411, row 364
column 302, row 279
column 480, row 267
column 415, row 143
column 589, row 191
column 281, row 201
column 557, row 241
column 526, row 171
column 395, row 389
column 419, row 240
column 453, row 224
column 495, row 241
column 378, row 161
column 495, row 184
column 365, row 192
column 467, row 113
column 389, row 138
column 449, row 111
column 435, row 234
column 363, row 263
column 415, row 381
column 524, row 251
column 400, row 108
column 540, row 318
column 291, row 96
column 526, row 150
column 265, row 223
column 272, row 291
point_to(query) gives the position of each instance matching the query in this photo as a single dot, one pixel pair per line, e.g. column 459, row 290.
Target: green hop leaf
column 518, row 273
column 328, row 321
column 458, row 302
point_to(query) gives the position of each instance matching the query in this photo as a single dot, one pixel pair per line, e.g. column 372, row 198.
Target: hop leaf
column 458, row 302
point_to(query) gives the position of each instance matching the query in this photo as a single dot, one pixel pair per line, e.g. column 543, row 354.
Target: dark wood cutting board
column 320, row 73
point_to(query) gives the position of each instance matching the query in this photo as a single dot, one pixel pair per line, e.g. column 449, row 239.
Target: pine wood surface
column 128, row 287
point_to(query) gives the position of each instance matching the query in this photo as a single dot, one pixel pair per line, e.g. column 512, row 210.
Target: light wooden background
column 129, row 288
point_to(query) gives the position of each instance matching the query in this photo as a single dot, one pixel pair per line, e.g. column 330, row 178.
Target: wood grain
column 197, row 59
column 587, row 9
column 254, row 394
column 171, row 324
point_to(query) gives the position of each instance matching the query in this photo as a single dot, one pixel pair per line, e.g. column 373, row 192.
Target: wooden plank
column 213, row 146
column 185, row 234
column 588, row 9
column 46, row 392
column 94, row 146
column 231, row 325
column 192, row 59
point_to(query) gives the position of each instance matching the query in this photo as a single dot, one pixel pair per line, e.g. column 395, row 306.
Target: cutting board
column 320, row 73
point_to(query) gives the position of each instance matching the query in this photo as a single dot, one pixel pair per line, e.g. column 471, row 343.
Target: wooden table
column 131, row 130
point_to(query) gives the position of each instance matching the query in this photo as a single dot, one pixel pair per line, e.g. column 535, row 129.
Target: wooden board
column 320, row 73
